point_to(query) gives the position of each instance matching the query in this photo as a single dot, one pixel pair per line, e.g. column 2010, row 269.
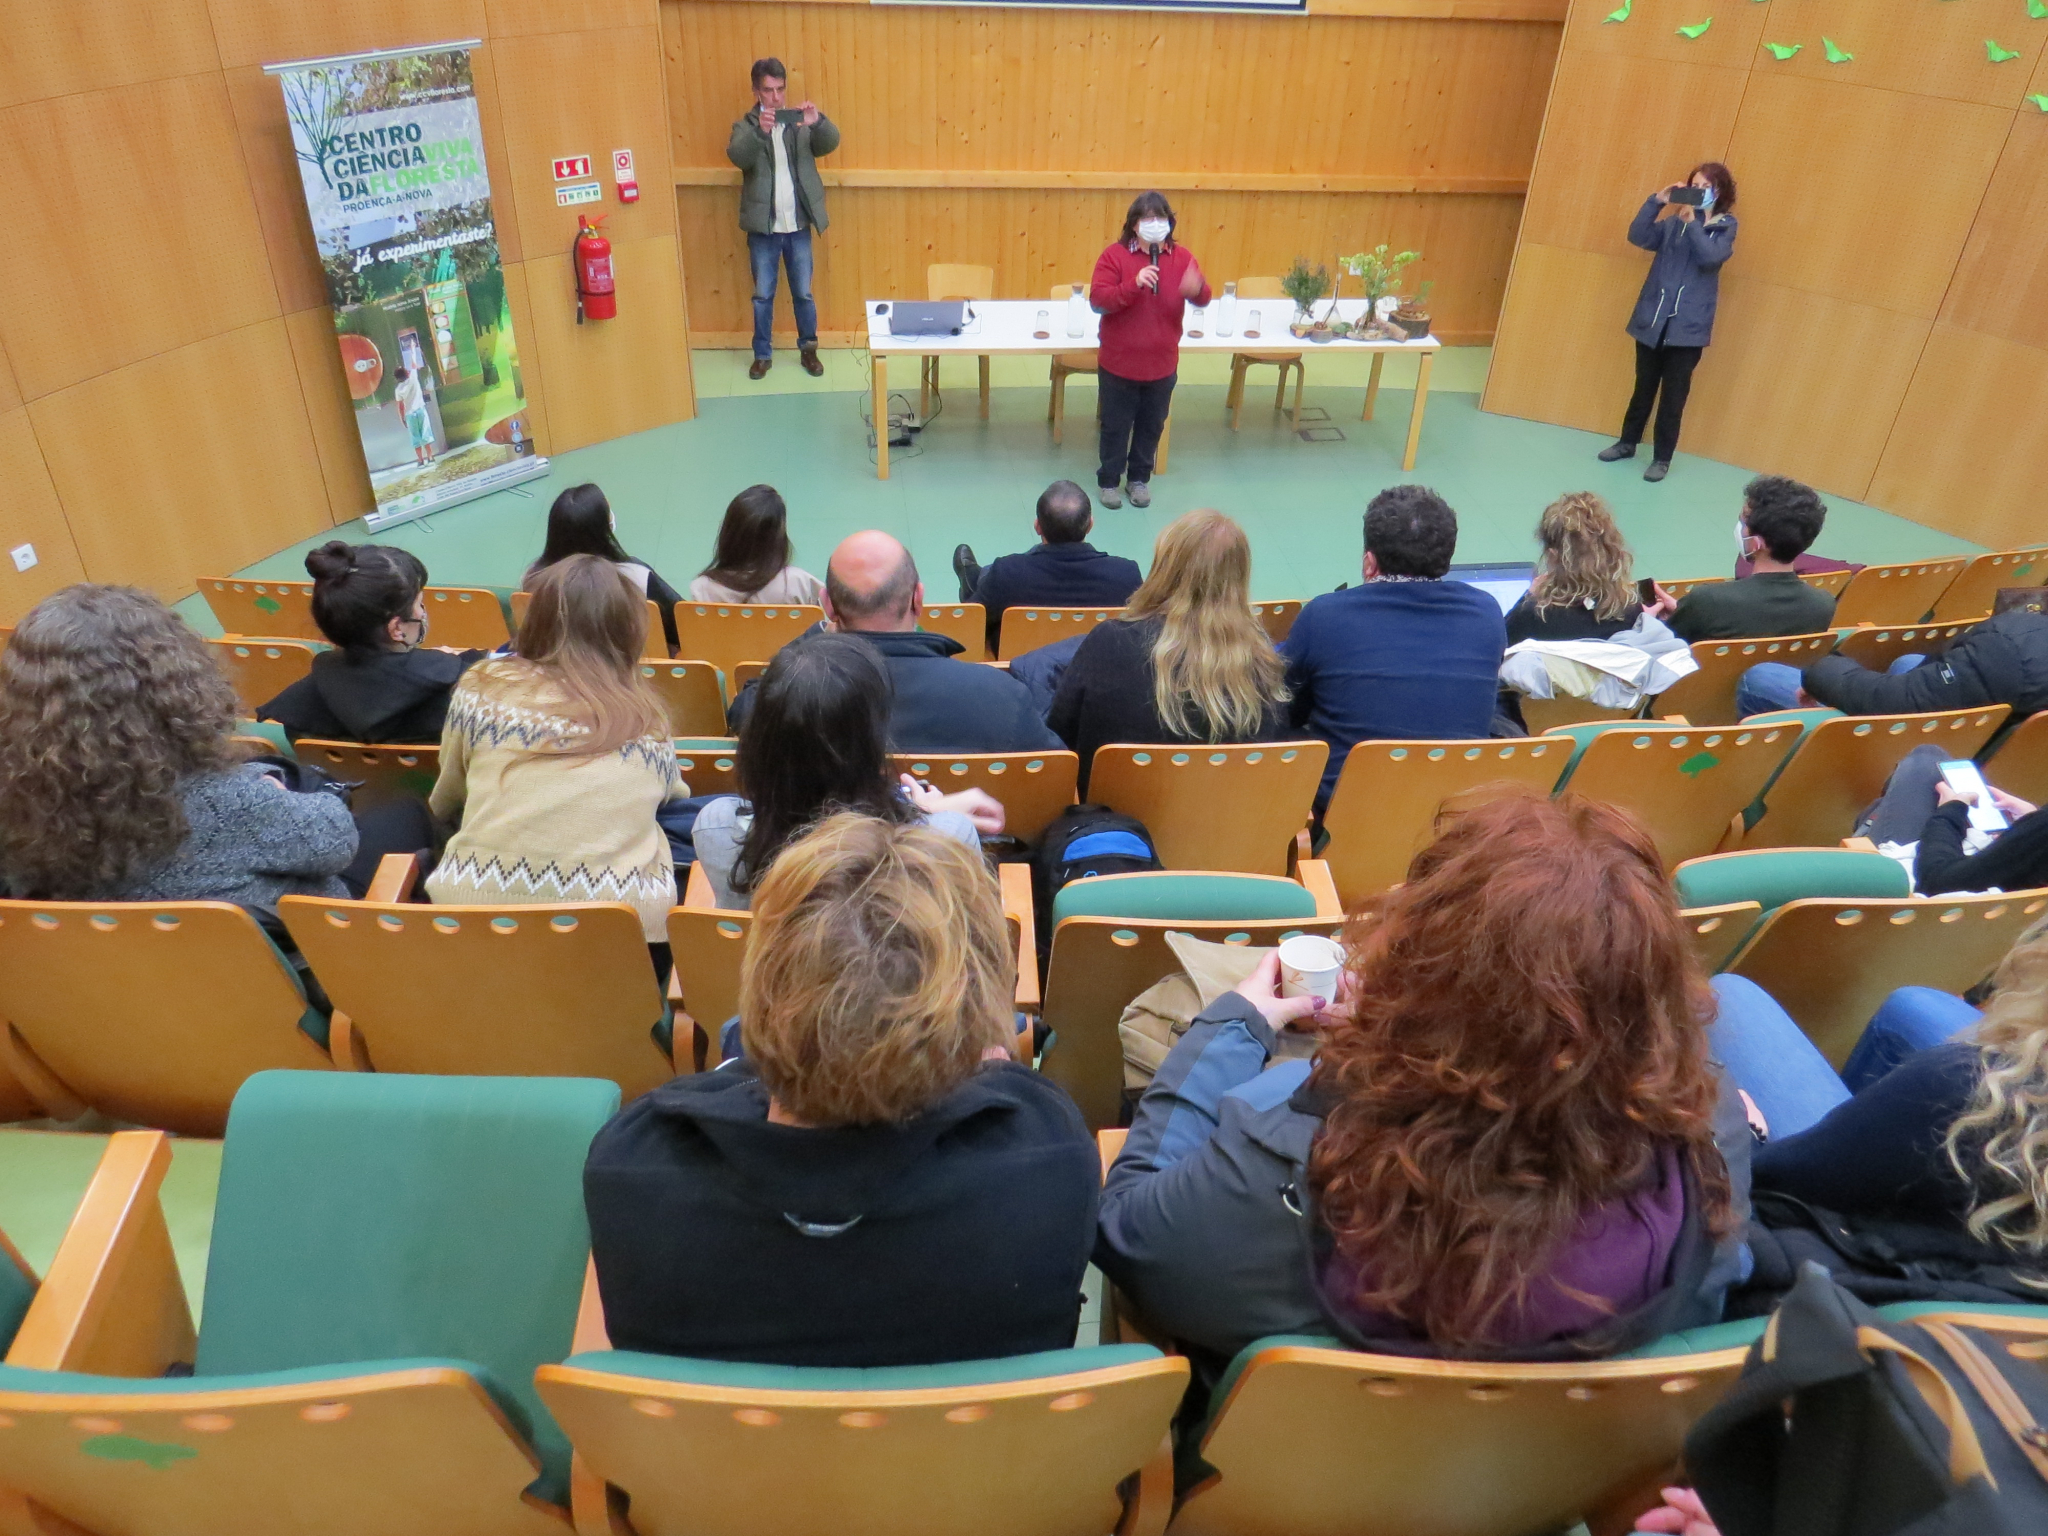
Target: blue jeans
column 1771, row 1059
column 794, row 252
column 1772, row 685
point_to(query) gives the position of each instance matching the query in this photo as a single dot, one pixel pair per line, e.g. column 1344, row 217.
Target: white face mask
column 1742, row 538
column 1154, row 231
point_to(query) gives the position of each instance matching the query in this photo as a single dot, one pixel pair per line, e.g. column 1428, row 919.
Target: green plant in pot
column 1305, row 285
column 1412, row 315
column 1378, row 271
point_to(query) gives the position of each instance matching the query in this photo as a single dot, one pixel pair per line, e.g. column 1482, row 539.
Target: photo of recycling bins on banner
column 391, row 153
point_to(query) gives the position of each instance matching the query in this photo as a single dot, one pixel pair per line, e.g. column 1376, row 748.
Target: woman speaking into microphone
column 1674, row 314
column 1142, row 283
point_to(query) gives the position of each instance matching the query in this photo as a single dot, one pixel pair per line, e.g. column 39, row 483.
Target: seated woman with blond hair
column 877, row 1182
column 1511, row 1142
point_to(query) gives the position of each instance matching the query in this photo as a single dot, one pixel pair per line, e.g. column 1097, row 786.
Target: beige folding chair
column 657, row 634
column 1975, row 591
column 281, row 609
column 1684, row 783
column 1707, row 696
column 2020, row 765
column 1685, row 584
column 1275, row 317
column 1831, row 582
column 1879, row 646
column 1841, row 766
column 709, row 765
column 693, row 692
column 1896, row 594
column 468, row 618
column 954, row 280
column 1034, row 787
column 965, row 622
column 726, row 634
column 1830, row 962
column 1390, row 795
column 1277, row 615
column 259, row 670
column 1026, row 629
column 1716, row 931
column 381, row 774
column 1214, row 807
column 1541, row 715
column 1067, row 364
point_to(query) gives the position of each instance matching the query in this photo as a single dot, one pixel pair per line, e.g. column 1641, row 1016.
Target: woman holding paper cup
column 1510, row 1141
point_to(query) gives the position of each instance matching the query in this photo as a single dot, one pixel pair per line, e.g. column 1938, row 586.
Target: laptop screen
column 1504, row 583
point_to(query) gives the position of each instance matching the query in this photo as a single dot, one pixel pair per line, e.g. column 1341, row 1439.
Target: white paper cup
column 1309, row 966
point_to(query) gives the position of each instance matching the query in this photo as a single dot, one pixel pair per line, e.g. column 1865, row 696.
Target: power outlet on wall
column 24, row 556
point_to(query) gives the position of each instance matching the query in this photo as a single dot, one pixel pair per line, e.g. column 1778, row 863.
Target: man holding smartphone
column 1970, row 835
column 776, row 146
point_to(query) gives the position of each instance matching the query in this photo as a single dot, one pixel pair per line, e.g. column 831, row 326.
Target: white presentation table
column 1007, row 326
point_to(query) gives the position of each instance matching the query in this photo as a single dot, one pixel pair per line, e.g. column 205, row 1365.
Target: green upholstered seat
column 1906, row 1311
column 893, row 1378
column 372, row 1217
column 1188, row 897
column 1738, row 1334
column 1774, row 876
column 270, row 731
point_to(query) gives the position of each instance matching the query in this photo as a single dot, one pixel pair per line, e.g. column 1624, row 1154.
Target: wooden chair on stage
column 1276, row 320
column 1026, row 629
column 1214, row 807
column 692, row 692
column 945, row 280
column 1707, row 696
column 1066, row 364
column 965, row 622
column 259, row 670
column 1896, row 594
column 1034, row 787
column 1975, row 590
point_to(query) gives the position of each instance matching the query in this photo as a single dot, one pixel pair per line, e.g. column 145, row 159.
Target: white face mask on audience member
column 1154, row 231
column 1743, row 538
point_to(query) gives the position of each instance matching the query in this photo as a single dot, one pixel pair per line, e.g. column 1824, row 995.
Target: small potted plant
column 1413, row 313
column 1378, row 270
column 1305, row 285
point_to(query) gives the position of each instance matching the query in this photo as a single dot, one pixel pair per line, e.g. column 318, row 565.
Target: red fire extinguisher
column 592, row 256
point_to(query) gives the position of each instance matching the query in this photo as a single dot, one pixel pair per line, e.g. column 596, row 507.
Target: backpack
column 1086, row 840
column 1846, row 1424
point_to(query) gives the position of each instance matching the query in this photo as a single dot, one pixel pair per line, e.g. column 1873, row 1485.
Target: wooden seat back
column 1707, row 696
column 726, row 634
column 380, row 774
column 1841, row 767
column 1457, row 1449
column 1385, row 807
column 1214, row 807
column 1277, row 615
column 1541, row 715
column 468, row 618
column 708, row 944
column 1828, row 581
column 1683, row 784
column 1098, row 965
column 1034, row 787
column 259, row 670
column 1026, row 629
column 279, row 609
column 560, row 990
column 2020, row 765
column 657, row 636
column 959, row 280
column 1880, row 645
column 965, row 622
column 1716, row 931
column 1684, row 584
column 733, row 1460
column 150, row 1012
column 692, row 692
column 1897, row 594
column 1975, row 589
column 1829, row 962
column 710, row 765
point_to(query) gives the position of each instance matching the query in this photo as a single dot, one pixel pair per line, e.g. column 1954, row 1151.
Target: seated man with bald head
column 940, row 704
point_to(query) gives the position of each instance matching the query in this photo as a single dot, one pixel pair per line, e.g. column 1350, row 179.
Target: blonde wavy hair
column 1214, row 669
column 1999, row 1145
column 1585, row 560
column 585, row 632
column 878, row 973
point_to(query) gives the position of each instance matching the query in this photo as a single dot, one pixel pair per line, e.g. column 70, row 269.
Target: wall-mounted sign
column 582, row 192
column 622, row 173
column 572, row 168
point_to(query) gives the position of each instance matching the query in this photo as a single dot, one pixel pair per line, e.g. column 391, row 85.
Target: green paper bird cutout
column 1784, row 50
column 1620, row 15
column 2040, row 101
column 1835, row 55
column 1696, row 28
column 1996, row 54
column 2036, row 9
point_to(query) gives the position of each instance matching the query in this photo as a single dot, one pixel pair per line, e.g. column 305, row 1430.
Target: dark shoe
column 968, row 569
column 809, row 358
column 1109, row 496
column 760, row 368
column 1141, row 493
column 1615, row 452
column 1658, row 469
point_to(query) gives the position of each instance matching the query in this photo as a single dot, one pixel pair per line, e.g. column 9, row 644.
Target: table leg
column 984, row 388
column 1415, row 411
column 881, row 413
column 1372, row 386
column 927, row 376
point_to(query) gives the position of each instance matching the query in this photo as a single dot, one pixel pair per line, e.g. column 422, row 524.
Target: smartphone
column 1962, row 776
column 1694, row 196
column 1646, row 591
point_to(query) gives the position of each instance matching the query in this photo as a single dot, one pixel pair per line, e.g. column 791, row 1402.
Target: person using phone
column 1691, row 228
column 776, row 146
column 1143, row 282
column 1932, row 808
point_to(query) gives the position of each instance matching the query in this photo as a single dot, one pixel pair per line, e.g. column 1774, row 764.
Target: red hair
column 1527, row 1035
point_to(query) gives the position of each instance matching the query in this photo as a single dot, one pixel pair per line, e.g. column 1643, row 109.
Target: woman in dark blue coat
column 1674, row 315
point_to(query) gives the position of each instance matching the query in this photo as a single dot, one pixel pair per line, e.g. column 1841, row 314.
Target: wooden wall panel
column 62, row 48
column 604, row 380
column 276, row 31
column 526, row 18
column 1560, row 354
column 1651, row 32
column 330, row 415
column 10, row 392
column 2001, row 284
column 1914, row 48
column 30, row 514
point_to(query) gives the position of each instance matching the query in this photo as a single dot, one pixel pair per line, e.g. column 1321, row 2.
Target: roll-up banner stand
column 391, row 152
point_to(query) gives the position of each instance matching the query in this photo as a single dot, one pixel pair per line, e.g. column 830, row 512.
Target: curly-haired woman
column 1582, row 588
column 119, row 780
column 1511, row 1142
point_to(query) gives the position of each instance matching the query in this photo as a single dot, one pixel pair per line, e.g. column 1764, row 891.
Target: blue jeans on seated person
column 794, row 252
column 1771, row 1060
column 1771, row 685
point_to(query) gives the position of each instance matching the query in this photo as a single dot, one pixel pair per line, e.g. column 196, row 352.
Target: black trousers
column 1665, row 370
column 396, row 826
column 1133, row 416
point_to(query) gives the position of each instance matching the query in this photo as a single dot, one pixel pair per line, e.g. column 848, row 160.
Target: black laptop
column 940, row 317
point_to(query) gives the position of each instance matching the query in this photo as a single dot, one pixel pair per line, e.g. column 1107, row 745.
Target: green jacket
column 755, row 156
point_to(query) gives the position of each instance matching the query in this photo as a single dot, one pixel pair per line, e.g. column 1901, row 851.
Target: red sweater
column 1141, row 330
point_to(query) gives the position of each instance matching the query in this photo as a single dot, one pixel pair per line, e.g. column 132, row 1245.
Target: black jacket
column 1571, row 622
column 943, row 705
column 2004, row 660
column 1105, row 695
column 962, row 1235
column 2017, row 859
column 399, row 697
column 1055, row 576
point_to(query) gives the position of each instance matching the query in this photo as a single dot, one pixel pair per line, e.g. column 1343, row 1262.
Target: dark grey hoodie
column 400, row 697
